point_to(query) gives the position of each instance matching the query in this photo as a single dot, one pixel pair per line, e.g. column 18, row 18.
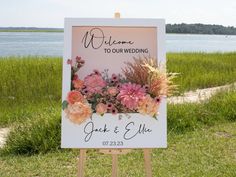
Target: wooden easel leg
column 147, row 162
column 114, row 165
column 82, row 159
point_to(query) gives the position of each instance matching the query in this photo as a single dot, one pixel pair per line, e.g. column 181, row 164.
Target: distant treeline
column 200, row 29
column 29, row 29
column 170, row 28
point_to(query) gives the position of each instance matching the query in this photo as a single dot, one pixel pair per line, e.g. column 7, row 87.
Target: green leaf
column 155, row 116
column 64, row 104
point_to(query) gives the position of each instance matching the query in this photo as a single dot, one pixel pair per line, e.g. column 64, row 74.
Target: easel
column 115, row 153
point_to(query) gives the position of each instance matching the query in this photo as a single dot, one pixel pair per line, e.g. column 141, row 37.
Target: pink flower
column 112, row 91
column 131, row 94
column 75, row 77
column 101, row 108
column 69, row 61
column 114, row 111
column 157, row 99
column 78, row 59
column 118, row 85
column 82, row 62
column 75, row 96
column 96, row 72
column 146, row 87
column 109, row 106
column 94, row 83
column 79, row 62
column 114, row 77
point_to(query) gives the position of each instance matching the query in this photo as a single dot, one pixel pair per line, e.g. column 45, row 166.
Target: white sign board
column 103, row 47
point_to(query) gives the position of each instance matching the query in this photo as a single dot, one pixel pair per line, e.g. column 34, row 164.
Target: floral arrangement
column 139, row 90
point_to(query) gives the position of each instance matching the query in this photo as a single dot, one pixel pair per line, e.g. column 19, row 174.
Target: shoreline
column 62, row 31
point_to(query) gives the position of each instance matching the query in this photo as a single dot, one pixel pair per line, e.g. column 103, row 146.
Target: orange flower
column 75, row 96
column 78, row 112
column 101, row 108
column 78, row 84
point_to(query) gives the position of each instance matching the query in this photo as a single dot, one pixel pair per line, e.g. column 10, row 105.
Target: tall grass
column 39, row 133
column 30, row 78
column 191, row 116
column 202, row 70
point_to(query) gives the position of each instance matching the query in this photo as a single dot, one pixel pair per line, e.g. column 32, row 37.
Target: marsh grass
column 38, row 131
column 30, row 78
column 202, row 70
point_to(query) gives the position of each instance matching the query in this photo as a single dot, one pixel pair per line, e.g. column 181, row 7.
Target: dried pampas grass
column 146, row 71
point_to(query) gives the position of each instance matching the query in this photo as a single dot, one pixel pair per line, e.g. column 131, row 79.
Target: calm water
column 30, row 43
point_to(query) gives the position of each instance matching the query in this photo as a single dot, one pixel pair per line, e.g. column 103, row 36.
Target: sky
column 51, row 13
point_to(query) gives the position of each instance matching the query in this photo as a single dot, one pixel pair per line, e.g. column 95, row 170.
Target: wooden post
column 114, row 165
column 147, row 162
column 82, row 159
column 117, row 15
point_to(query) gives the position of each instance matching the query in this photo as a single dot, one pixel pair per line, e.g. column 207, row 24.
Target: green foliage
column 13, row 113
column 64, row 104
column 200, row 29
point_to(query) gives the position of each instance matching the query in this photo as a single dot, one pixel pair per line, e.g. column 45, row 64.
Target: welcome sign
column 111, row 98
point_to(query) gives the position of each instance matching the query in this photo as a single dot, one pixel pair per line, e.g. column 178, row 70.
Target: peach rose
column 112, row 91
column 78, row 112
column 101, row 108
column 148, row 106
column 75, row 96
column 78, row 84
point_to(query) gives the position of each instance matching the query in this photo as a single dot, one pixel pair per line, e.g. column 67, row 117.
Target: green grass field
column 201, row 137
column 208, row 152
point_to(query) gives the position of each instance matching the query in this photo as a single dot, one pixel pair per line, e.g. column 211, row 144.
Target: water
column 49, row 43
column 200, row 43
